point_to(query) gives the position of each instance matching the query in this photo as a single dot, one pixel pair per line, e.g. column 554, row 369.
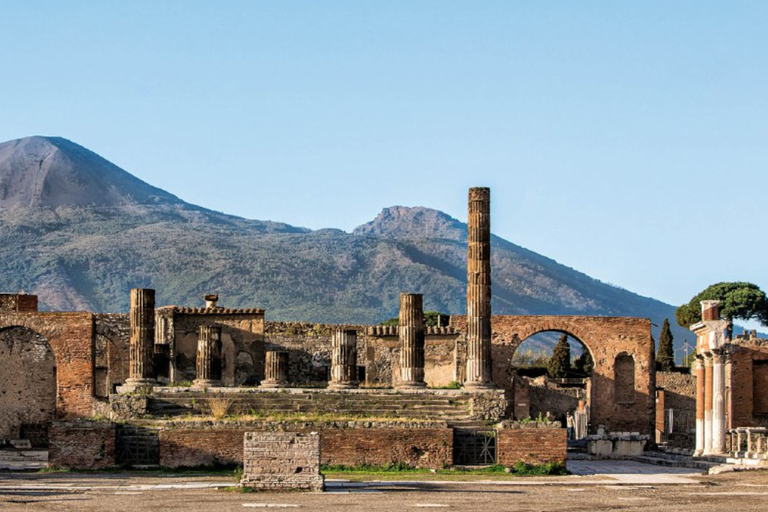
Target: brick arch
column 605, row 338
column 70, row 336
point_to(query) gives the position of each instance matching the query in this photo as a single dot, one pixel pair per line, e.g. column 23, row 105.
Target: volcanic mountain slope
column 79, row 231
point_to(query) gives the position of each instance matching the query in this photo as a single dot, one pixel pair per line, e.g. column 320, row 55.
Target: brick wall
column 82, row 445
column 282, row 461
column 531, row 445
column 198, row 447
column 422, row 447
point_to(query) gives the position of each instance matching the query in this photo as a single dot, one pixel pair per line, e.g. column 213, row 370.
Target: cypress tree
column 584, row 363
column 560, row 362
column 665, row 356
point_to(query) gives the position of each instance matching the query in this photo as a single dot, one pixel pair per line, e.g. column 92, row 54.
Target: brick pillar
column 275, row 370
column 707, row 404
column 698, row 372
column 208, row 356
column 479, row 290
column 718, row 402
column 142, row 323
column 343, row 359
column 412, row 331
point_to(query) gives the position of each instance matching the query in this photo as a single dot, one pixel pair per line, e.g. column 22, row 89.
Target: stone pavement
column 585, row 473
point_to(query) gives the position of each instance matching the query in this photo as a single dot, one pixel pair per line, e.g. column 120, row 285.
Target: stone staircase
column 678, row 460
column 23, row 460
column 421, row 406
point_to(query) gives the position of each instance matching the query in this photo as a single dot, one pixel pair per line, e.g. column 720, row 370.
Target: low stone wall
column 81, row 445
column 616, row 445
column 282, row 461
column 532, row 443
column 423, row 445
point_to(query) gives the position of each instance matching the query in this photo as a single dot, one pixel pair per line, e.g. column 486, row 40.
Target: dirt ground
column 744, row 491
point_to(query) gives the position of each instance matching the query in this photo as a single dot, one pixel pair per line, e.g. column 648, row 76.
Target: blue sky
column 628, row 140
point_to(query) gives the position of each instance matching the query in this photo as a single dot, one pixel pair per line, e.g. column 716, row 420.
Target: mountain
column 79, row 232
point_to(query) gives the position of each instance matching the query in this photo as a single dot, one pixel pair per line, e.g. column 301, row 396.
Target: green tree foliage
column 744, row 301
column 430, row 318
column 665, row 355
column 560, row 362
column 584, row 363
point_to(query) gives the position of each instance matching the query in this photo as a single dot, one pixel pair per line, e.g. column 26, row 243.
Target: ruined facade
column 731, row 379
column 169, row 361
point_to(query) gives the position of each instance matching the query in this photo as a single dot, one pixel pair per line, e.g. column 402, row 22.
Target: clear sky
column 628, row 140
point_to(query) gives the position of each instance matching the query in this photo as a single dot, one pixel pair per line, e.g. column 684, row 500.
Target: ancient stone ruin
column 116, row 385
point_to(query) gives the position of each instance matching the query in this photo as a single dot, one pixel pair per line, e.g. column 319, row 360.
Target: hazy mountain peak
column 53, row 171
column 413, row 222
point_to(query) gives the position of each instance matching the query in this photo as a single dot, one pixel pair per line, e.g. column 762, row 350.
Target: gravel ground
column 745, row 492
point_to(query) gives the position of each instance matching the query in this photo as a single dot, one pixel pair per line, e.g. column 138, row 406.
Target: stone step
column 690, row 463
column 23, row 460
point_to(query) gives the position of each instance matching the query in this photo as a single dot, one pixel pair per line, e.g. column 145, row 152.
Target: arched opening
column 110, row 366
column 27, row 385
column 624, row 379
column 552, row 373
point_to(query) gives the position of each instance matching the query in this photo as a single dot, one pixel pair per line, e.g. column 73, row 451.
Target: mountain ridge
column 85, row 256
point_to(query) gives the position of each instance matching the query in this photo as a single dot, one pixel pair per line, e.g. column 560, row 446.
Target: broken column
column 275, row 369
column 343, row 359
column 707, row 403
column 712, row 337
column 479, row 290
column 698, row 372
column 412, row 332
column 142, row 324
column 208, row 356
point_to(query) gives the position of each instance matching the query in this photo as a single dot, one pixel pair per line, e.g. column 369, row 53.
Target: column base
column 479, row 386
column 343, row 385
column 273, row 384
column 133, row 385
column 698, row 453
column 205, row 383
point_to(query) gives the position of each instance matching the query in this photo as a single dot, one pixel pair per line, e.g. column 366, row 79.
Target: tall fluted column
column 479, row 290
column 698, row 371
column 412, row 332
column 707, row 404
column 142, row 324
column 275, row 370
column 343, row 359
column 718, row 402
column 208, row 356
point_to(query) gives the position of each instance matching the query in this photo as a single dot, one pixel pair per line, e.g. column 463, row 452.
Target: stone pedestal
column 275, row 370
column 479, row 290
column 208, row 357
column 142, row 324
column 412, row 333
column 343, row 360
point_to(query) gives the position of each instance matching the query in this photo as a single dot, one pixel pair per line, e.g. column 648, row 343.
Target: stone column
column 343, row 359
column 275, row 370
column 479, row 290
column 208, row 356
column 718, row 402
column 411, row 341
column 707, row 404
column 698, row 372
column 142, row 324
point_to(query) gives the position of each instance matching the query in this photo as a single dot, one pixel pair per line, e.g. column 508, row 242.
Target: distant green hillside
column 87, row 256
